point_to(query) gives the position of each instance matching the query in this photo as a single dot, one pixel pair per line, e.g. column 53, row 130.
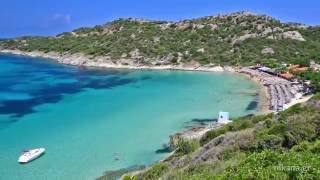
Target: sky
column 50, row 17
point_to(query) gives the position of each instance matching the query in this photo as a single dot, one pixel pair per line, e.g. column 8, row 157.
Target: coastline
column 107, row 62
column 263, row 95
column 81, row 60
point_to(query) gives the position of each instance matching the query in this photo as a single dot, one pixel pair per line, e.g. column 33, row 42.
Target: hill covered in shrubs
column 274, row 146
column 234, row 39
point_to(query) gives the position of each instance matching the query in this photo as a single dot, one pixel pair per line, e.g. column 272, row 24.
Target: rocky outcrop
column 193, row 133
column 267, row 50
column 295, row 35
column 135, row 54
column 275, row 34
column 214, row 27
column 79, row 59
column 201, row 50
column 315, row 66
column 211, row 151
column 183, row 26
column 242, row 38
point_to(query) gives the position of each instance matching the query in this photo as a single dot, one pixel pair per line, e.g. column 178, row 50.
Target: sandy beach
column 298, row 100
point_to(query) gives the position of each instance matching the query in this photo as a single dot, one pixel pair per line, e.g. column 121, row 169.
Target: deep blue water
column 83, row 117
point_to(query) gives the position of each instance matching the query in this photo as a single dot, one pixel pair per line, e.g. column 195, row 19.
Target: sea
column 93, row 120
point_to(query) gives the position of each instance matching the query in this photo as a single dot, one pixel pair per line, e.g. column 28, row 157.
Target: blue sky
column 44, row 17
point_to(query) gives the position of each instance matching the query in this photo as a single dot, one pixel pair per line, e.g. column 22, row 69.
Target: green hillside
column 235, row 39
column 282, row 146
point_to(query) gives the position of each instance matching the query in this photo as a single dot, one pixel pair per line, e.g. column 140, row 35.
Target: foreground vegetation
column 281, row 146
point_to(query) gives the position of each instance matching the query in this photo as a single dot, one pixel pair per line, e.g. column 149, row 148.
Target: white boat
column 31, row 154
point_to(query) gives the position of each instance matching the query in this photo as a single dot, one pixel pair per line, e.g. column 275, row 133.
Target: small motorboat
column 30, row 155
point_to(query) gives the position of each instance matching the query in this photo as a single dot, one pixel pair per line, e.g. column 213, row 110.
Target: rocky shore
column 106, row 62
column 192, row 133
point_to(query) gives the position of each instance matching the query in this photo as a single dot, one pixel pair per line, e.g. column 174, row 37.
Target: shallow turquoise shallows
column 86, row 117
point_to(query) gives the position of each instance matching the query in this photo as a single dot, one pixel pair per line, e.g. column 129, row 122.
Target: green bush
column 212, row 134
column 306, row 146
column 156, row 171
column 187, row 146
column 130, row 178
column 236, row 125
column 271, row 142
column 276, row 165
column 317, row 96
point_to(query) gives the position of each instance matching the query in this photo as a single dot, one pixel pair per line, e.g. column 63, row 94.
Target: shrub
column 276, row 165
column 187, row 146
column 291, row 111
column 156, row 171
column 302, row 147
column 270, row 142
column 317, row 96
column 306, row 146
column 239, row 125
column 227, row 154
column 277, row 129
column 212, row 134
column 236, row 125
column 289, row 140
column 244, row 139
column 130, row 178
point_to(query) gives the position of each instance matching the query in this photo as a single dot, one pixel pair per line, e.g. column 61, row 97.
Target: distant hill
column 240, row 38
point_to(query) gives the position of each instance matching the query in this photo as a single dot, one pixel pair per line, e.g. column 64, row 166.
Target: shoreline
column 264, row 95
column 81, row 60
column 98, row 62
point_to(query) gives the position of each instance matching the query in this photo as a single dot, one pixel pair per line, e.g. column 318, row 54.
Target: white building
column 223, row 117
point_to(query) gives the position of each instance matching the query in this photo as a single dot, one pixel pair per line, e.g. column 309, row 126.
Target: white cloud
column 56, row 21
column 61, row 18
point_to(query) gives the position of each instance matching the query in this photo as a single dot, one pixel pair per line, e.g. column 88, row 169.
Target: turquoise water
column 84, row 116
